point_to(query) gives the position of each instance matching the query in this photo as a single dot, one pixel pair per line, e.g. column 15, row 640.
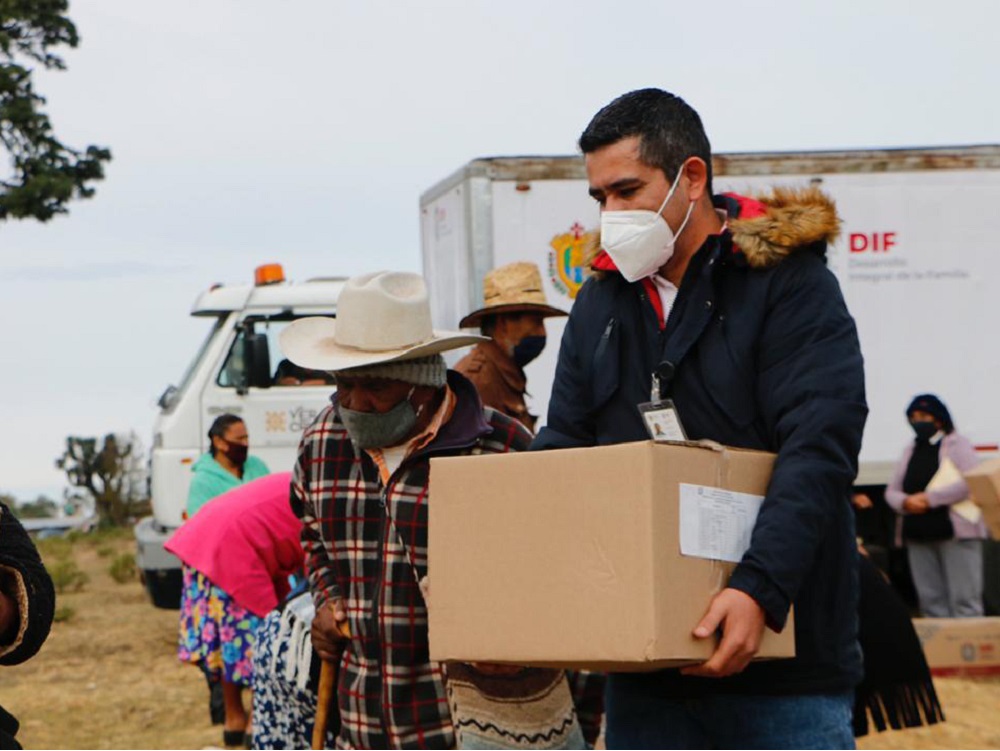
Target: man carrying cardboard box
column 719, row 310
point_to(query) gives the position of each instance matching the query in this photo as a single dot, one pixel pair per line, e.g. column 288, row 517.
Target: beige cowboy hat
column 381, row 317
column 514, row 288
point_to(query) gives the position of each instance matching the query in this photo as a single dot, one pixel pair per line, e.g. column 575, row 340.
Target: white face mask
column 640, row 241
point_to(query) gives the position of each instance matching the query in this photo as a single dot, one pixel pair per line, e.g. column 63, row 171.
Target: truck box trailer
column 918, row 261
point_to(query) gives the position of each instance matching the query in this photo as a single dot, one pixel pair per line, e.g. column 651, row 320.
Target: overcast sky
column 304, row 132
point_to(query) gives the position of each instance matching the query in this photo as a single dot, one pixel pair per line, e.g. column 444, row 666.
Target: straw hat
column 381, row 317
column 514, row 288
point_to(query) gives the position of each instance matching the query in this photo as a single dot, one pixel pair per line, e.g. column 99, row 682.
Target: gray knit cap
column 420, row 371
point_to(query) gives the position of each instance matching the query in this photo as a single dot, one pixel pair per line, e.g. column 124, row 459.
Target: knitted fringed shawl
column 26, row 581
column 528, row 709
column 294, row 629
column 897, row 690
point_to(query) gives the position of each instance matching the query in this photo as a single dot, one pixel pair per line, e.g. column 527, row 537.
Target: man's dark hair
column 219, row 428
column 669, row 130
column 288, row 369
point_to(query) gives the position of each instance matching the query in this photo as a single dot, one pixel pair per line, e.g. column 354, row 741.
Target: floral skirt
column 215, row 631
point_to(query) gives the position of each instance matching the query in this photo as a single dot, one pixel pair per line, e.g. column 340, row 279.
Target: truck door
column 276, row 400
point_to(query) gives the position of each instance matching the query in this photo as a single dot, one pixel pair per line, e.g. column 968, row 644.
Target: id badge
column 662, row 421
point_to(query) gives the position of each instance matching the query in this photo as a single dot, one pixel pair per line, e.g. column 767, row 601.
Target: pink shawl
column 246, row 541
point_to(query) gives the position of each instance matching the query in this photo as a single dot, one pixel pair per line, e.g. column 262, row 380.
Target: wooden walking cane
column 327, row 673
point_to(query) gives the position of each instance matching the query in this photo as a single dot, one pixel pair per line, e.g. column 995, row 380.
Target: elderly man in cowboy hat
column 360, row 487
column 513, row 316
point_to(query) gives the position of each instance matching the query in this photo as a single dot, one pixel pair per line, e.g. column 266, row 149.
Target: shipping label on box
column 716, row 523
column 572, row 558
column 960, row 646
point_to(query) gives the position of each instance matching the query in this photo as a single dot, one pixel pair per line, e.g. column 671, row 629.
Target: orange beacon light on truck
column 268, row 273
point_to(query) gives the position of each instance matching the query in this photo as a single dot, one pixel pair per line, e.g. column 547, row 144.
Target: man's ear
column 696, row 172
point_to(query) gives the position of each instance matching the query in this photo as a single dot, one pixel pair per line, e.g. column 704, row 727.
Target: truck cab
column 238, row 369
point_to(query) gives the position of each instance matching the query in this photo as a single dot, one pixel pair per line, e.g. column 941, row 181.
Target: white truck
column 233, row 371
column 918, row 261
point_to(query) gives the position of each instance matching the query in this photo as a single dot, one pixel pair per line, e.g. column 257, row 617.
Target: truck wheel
column 164, row 587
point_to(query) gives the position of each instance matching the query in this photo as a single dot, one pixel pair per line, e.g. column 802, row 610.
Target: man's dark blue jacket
column 765, row 356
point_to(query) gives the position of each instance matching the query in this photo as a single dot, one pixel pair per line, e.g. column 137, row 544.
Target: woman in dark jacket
column 943, row 538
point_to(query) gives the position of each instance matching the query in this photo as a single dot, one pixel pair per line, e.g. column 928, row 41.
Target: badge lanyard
column 659, row 414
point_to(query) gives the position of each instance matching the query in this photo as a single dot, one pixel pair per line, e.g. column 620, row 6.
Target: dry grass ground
column 108, row 677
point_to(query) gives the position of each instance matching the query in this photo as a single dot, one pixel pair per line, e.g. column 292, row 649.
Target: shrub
column 109, row 535
column 54, row 548
column 122, row 568
column 75, row 536
column 64, row 613
column 67, row 576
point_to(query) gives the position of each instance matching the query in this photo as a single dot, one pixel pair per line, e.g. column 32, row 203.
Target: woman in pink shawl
column 241, row 546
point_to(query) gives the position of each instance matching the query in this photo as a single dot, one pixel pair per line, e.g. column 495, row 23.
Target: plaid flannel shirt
column 363, row 542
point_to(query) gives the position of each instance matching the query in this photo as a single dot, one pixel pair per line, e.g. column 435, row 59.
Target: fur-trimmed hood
column 765, row 229
column 768, row 228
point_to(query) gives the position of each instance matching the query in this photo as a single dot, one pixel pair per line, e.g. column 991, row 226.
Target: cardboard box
column 984, row 488
column 960, row 646
column 572, row 559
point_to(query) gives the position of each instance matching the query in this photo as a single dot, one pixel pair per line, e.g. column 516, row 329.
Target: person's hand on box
column 918, row 503
column 330, row 630
column 742, row 622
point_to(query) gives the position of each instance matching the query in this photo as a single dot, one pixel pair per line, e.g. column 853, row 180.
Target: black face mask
column 925, row 429
column 528, row 349
column 237, row 453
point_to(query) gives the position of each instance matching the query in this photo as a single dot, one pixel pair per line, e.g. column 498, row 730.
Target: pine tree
column 45, row 174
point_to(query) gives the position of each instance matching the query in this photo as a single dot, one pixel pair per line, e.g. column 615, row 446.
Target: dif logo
column 874, row 242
